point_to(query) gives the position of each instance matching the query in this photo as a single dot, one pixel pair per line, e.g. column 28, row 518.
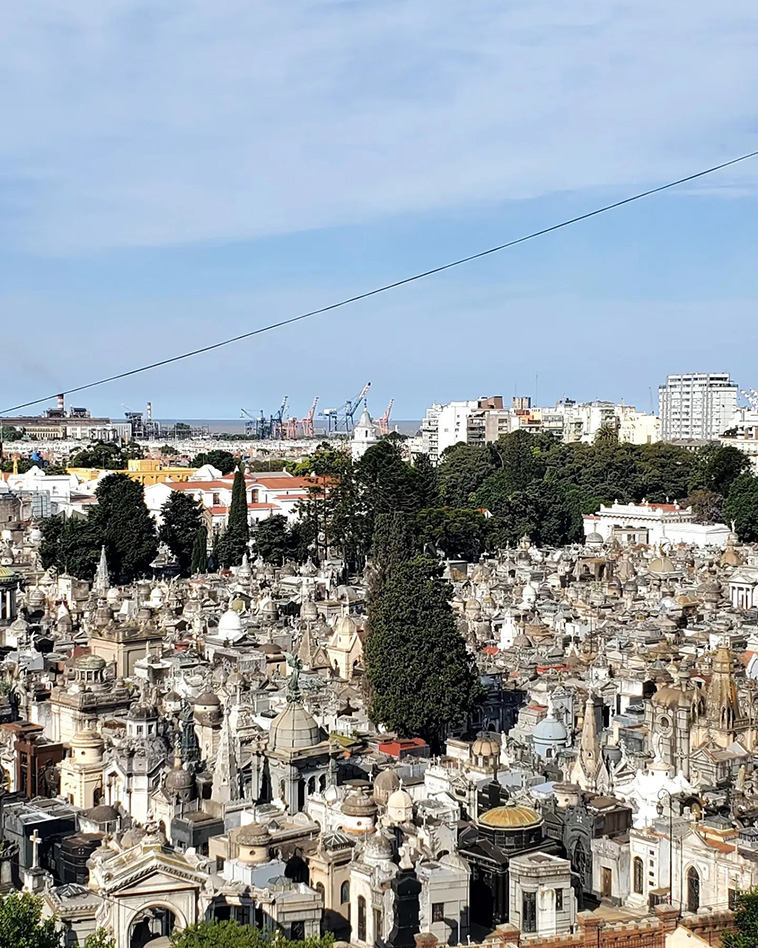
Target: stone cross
column 34, row 839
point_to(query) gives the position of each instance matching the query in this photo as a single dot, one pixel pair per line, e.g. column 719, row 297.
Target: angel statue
column 293, row 681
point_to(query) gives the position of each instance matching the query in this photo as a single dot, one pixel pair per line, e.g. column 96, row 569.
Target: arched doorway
column 693, row 889
column 155, row 921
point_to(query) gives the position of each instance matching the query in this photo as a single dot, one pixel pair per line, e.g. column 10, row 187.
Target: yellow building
column 146, row 471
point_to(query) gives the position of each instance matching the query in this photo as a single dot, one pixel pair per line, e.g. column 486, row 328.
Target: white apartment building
column 445, row 425
column 696, row 407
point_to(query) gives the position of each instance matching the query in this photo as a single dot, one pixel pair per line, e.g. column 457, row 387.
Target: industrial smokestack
column 149, row 411
column 61, row 403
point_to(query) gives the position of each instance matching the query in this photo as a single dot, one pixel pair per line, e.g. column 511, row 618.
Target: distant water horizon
column 237, row 425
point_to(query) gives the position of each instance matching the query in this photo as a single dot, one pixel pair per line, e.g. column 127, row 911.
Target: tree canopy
column 742, row 506
column 746, row 920
column 223, row 461
column 182, row 518
column 231, row 934
column 22, row 925
column 121, row 522
column 422, row 678
column 106, row 455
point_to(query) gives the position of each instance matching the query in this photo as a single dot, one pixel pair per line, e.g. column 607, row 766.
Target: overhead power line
column 387, row 286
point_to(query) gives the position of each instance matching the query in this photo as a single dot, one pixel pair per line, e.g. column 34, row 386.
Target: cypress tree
column 423, row 679
column 234, row 543
column 200, row 552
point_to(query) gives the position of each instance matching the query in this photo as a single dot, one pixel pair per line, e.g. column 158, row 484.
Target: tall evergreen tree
column 182, row 518
column 199, row 562
column 128, row 530
column 423, row 679
column 234, row 543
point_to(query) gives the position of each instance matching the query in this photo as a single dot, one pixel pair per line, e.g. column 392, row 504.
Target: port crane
column 343, row 418
column 383, row 423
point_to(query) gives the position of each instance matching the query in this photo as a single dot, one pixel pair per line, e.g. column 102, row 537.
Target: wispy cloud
column 149, row 123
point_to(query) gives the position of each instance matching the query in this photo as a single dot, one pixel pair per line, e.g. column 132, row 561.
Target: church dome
column 400, row 806
column 511, row 816
column 359, row 804
column 207, row 700
column 385, row 784
column 268, row 609
column 178, row 779
column 89, row 663
column 142, row 712
column 230, row 624
column 485, row 747
column 309, row 610
column 661, row 565
column 86, row 739
column 672, row 698
column 253, row 834
column 594, row 539
column 294, row 729
column 550, row 729
column 377, row 848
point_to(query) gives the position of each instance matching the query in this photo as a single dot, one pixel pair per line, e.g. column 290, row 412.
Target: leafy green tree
column 182, row 518
column 22, row 925
column 8, row 433
column 721, row 466
column 222, row 460
column 71, row 544
column 127, row 529
column 100, row 939
column 272, row 540
column 230, row 934
column 106, row 455
column 746, row 921
column 666, row 472
column 461, row 472
column 334, row 514
column 457, row 532
column 199, row 562
column 706, row 505
column 741, row 505
column 521, row 461
column 542, row 512
column 422, row 678
column 234, row 543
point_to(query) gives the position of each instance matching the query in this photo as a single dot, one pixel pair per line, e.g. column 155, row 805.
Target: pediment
column 153, row 876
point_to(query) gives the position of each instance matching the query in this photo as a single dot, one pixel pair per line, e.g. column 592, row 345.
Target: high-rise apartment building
column 697, row 406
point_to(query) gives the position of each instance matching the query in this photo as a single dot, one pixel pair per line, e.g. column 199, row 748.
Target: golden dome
column 510, row 816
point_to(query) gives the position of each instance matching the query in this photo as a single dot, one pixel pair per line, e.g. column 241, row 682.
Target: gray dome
column 385, row 784
column 294, row 729
column 550, row 729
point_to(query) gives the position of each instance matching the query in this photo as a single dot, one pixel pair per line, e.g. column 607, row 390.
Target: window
column 297, row 931
column 361, row 918
column 693, row 889
column 638, row 875
column 438, row 911
column 377, row 925
column 559, row 900
column 732, row 899
column 344, row 893
column 529, row 911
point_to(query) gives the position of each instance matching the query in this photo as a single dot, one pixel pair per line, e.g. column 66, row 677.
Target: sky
column 172, row 174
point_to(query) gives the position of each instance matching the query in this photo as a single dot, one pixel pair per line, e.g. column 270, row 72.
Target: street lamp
column 659, row 808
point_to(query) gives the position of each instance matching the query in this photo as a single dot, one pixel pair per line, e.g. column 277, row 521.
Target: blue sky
column 171, row 174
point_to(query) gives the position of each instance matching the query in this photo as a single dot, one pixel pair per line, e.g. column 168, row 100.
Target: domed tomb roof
column 385, row 784
column 511, row 816
column 294, row 729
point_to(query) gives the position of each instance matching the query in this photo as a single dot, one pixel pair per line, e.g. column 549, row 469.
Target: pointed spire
column 585, row 770
column 226, row 775
column 102, row 579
